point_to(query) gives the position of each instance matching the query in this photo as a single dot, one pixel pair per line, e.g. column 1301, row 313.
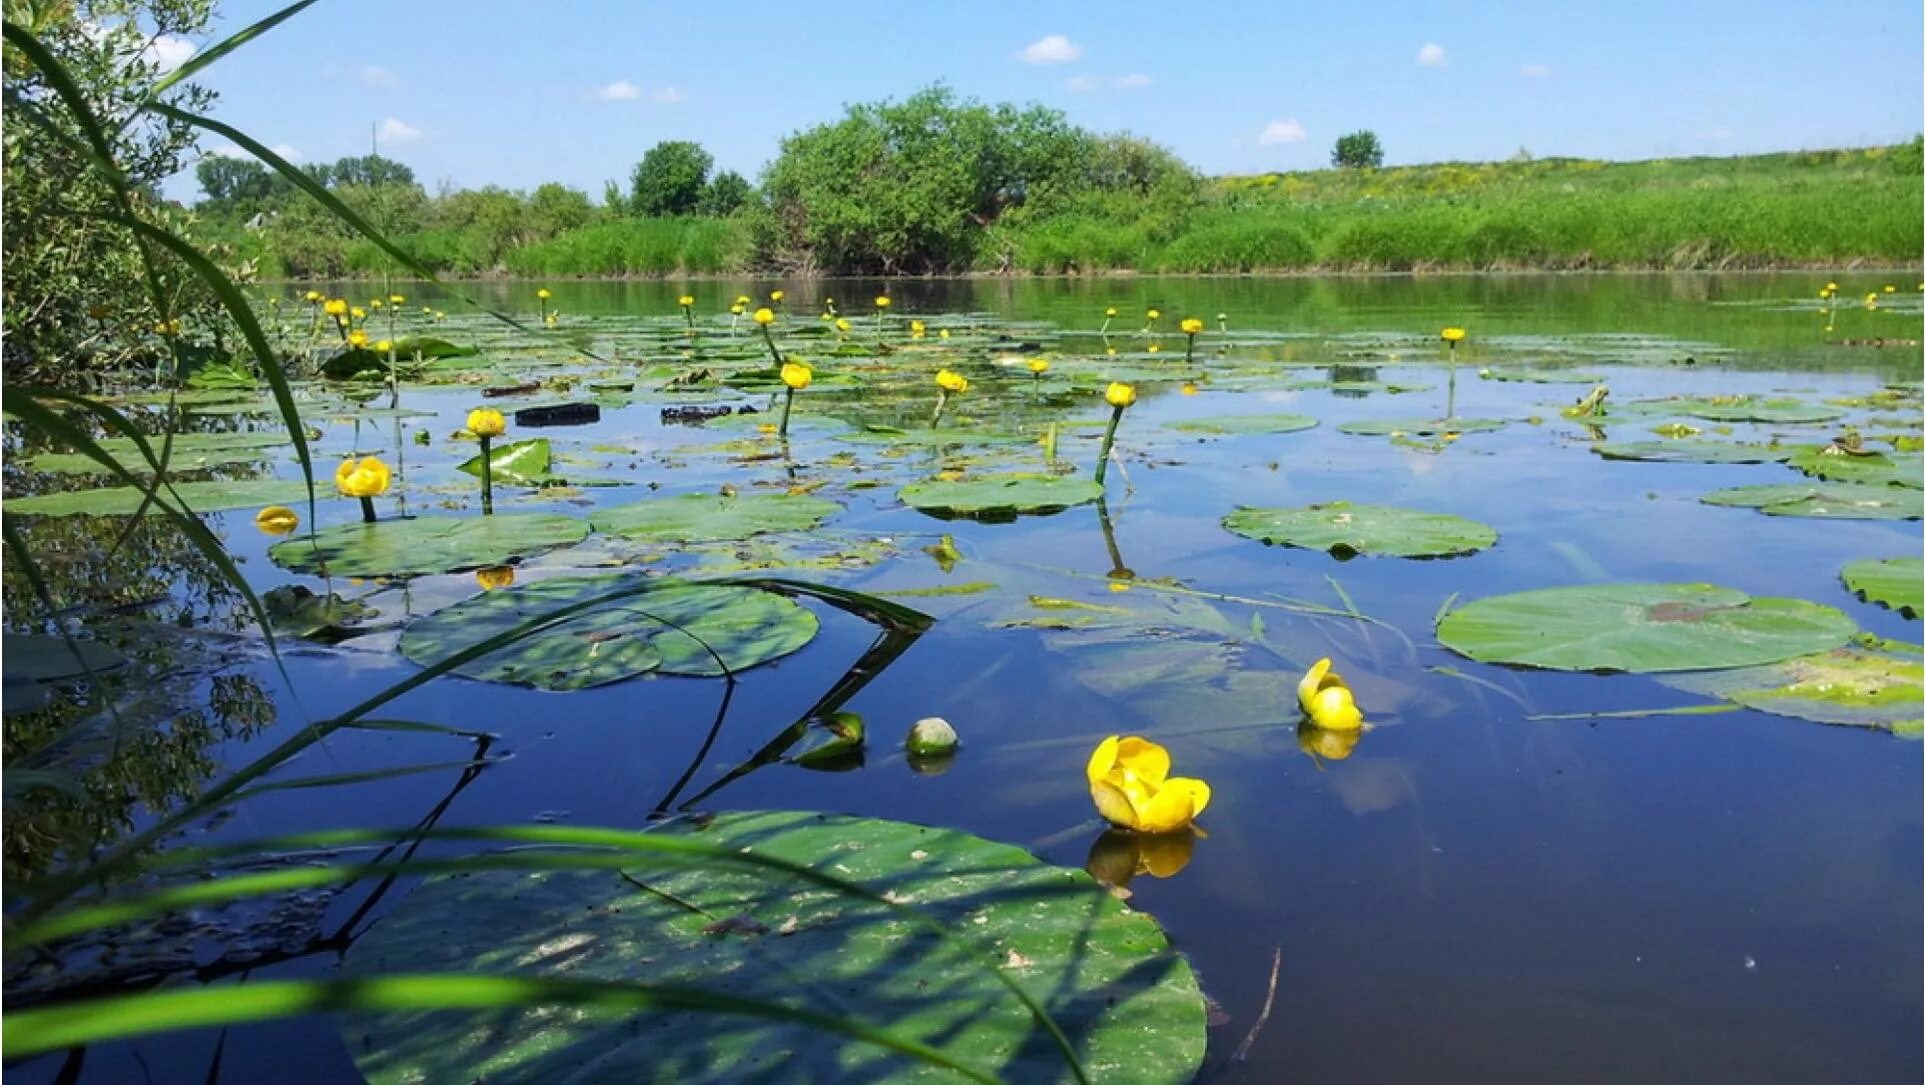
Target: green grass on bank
column 640, row 247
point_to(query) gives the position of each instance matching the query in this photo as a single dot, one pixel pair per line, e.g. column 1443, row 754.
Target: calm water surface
column 1471, row 894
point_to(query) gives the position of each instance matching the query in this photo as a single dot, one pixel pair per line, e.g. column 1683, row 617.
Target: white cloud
column 1081, row 84
column 1132, row 81
column 169, row 52
column 621, row 90
column 374, row 75
column 393, row 130
column 287, row 151
column 1279, row 132
column 1431, row 55
column 228, row 150
column 1534, row 71
column 1053, row 49
column 668, row 96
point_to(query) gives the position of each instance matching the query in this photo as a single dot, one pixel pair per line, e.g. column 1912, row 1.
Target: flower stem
column 770, row 340
column 1105, row 329
column 788, row 401
column 942, row 400
column 1189, row 351
column 1109, row 438
column 367, row 510
column 487, row 479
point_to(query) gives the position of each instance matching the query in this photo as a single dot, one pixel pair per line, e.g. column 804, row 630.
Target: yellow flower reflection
column 366, row 477
column 495, row 576
column 1327, row 701
column 1328, row 745
column 1117, row 856
column 276, row 520
column 1130, row 782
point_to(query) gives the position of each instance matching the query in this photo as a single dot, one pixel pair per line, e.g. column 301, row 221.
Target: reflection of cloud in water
column 1371, row 787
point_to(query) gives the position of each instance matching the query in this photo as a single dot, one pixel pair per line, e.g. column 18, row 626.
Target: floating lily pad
column 1687, row 451
column 1851, row 686
column 1873, row 469
column 691, row 518
column 1418, row 427
column 1128, row 1003
column 1000, row 497
column 217, row 496
column 1539, row 376
column 1640, row 628
column 890, row 435
column 664, row 630
column 427, row 544
column 179, row 460
column 1898, row 583
column 35, row 664
column 523, row 463
column 1246, row 423
column 1825, row 500
column 1346, row 530
column 1752, row 409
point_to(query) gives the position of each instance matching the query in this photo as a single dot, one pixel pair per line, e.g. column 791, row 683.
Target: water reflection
column 1120, row 855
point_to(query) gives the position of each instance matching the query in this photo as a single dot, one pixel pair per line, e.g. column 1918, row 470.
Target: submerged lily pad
column 1419, row 427
column 1346, row 530
column 427, row 544
column 1825, row 500
column 1128, row 1003
column 1898, row 583
column 219, row 496
column 689, row 518
column 1687, row 451
column 675, row 629
column 1000, row 497
column 1851, row 686
column 1246, row 423
column 1640, row 628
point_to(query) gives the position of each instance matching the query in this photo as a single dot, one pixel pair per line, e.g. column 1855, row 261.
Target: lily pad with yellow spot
column 1854, row 686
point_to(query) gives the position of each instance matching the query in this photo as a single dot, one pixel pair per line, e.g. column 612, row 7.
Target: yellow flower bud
column 313, row 296
column 383, row 346
column 1453, row 335
column 487, row 422
column 1110, row 312
column 882, row 301
column 951, row 381
column 335, row 307
column 796, row 375
column 1039, row 366
column 775, row 295
column 765, row 317
column 1155, row 314
column 842, row 324
column 495, row 576
column 1131, row 785
column 1119, row 394
column 1327, row 701
column 685, row 301
column 366, row 477
column 357, row 339
column 1191, row 325
column 358, row 313
column 543, row 294
column 396, row 299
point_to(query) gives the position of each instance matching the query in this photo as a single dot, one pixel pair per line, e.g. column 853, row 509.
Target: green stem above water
column 1109, row 438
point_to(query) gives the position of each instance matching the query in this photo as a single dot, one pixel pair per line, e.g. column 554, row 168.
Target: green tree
column 670, row 179
column 728, row 193
column 554, row 208
column 237, row 182
column 912, row 185
column 1358, row 150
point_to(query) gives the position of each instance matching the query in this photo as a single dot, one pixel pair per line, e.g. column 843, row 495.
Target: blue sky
column 481, row 92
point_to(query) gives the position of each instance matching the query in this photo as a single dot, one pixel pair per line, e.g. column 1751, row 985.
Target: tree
column 367, row 171
column 670, row 179
column 726, row 194
column 237, row 182
column 1358, row 150
column 555, row 207
column 912, row 185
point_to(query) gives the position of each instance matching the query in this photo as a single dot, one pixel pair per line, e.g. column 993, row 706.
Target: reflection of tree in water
column 1341, row 374
column 144, row 736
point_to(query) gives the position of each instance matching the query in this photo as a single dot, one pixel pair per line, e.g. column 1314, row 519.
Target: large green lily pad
column 1107, row 975
column 1346, row 530
column 1873, row 469
column 1898, row 583
column 518, row 463
column 1234, row 424
column 689, row 518
column 1825, row 500
column 427, row 544
column 1852, row 686
column 662, row 630
column 220, row 496
column 1000, row 497
column 1688, row 451
column 1640, row 628
column 1752, row 409
column 1539, row 376
column 1419, row 427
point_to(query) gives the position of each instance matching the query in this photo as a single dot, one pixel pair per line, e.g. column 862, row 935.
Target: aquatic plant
column 1326, row 701
column 1131, row 785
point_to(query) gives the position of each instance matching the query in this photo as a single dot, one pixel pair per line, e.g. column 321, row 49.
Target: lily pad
column 1640, row 628
column 1346, row 530
column 1898, row 583
column 1419, row 427
column 1128, row 1003
column 1873, row 469
column 1246, row 423
column 1687, row 451
column 690, row 518
column 999, row 497
column 427, row 544
column 1751, row 409
column 1539, row 376
column 1851, row 686
column 1825, row 500
column 519, row 463
column 675, row 629
column 890, row 435
column 219, row 496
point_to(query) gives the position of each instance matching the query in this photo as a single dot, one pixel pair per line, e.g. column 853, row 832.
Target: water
column 1469, row 893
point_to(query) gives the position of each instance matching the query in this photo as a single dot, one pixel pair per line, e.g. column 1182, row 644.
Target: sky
column 480, row 92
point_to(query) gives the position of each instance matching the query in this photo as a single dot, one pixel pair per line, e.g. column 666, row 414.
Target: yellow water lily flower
column 1039, row 366
column 765, row 317
column 374, row 303
column 1189, row 388
column 1119, row 394
column 951, row 381
column 397, row 299
column 495, row 576
column 1833, row 287
column 358, row 313
column 1154, row 348
column 487, row 422
column 1327, row 701
column 775, row 295
column 367, row 477
column 797, row 375
column 738, row 309
column 882, row 301
column 276, row 520
column 382, row 346
column 1110, row 312
column 917, row 328
column 842, row 324
column 1191, row 325
column 1890, row 289
column 357, row 338
column 543, row 294
column 314, row 296
column 1453, row 335
column 744, row 299
column 942, row 333
column 1130, row 782
column 335, row 307
column 685, row 300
